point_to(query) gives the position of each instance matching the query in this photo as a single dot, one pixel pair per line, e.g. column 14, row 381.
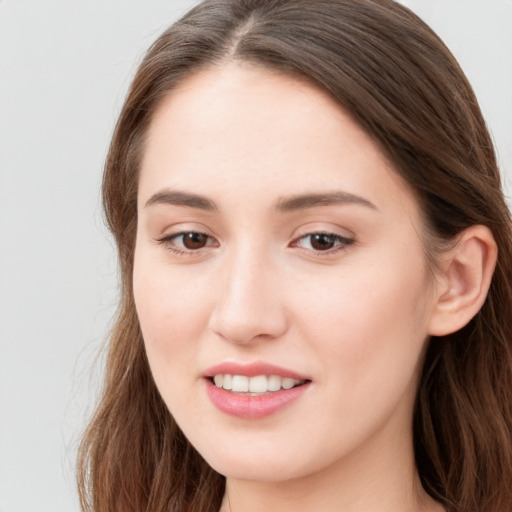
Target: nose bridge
column 248, row 304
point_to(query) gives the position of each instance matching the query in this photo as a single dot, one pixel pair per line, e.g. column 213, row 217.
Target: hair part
column 395, row 77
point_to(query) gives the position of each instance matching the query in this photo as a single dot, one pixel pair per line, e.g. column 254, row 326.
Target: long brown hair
column 398, row 80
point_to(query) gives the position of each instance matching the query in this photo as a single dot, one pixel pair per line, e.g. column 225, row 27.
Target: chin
column 260, row 460
column 254, row 471
column 250, row 459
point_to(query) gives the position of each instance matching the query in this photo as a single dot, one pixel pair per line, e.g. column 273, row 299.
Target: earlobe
column 464, row 280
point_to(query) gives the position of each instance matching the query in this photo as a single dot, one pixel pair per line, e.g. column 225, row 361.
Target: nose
column 248, row 306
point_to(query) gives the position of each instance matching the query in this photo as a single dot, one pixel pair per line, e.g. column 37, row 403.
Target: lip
column 252, row 407
column 252, row 370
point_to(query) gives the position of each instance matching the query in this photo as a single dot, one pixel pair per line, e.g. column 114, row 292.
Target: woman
column 316, row 264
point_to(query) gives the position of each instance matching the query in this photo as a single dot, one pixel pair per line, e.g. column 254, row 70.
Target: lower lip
column 253, row 407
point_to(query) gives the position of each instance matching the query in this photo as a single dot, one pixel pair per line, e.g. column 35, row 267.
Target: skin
column 353, row 318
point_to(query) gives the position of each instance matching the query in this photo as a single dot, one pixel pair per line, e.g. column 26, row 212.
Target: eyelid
column 322, row 226
column 340, row 241
column 181, row 228
column 343, row 242
column 167, row 241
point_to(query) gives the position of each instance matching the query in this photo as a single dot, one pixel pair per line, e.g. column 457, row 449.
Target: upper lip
column 252, row 370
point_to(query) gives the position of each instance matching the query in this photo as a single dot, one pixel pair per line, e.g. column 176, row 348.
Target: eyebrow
column 182, row 199
column 284, row 204
column 304, row 201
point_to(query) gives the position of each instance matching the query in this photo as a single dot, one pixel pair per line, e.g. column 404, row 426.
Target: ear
column 463, row 281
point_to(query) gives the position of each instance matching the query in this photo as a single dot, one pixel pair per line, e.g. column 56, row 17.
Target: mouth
column 255, row 386
column 253, row 391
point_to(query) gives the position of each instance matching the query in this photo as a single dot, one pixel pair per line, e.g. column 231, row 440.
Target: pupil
column 322, row 242
column 194, row 240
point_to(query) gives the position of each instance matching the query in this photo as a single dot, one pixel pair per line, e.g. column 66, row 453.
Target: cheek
column 172, row 316
column 369, row 322
column 367, row 333
column 172, row 313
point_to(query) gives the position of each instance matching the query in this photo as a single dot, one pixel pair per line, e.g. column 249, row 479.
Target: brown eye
column 188, row 243
column 323, row 241
column 193, row 241
column 328, row 243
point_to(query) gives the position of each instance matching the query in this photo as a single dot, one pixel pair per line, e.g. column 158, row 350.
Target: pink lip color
column 252, row 370
column 252, row 407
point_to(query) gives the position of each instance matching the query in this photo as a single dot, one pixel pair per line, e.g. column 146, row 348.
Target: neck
column 381, row 477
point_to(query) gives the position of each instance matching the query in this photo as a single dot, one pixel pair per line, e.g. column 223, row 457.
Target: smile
column 255, row 390
column 255, row 386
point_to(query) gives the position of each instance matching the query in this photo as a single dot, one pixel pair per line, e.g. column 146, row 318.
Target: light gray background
column 64, row 70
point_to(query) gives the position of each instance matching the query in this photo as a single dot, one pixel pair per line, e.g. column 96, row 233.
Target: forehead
column 241, row 128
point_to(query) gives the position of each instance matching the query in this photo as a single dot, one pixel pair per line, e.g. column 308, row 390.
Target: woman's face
column 277, row 247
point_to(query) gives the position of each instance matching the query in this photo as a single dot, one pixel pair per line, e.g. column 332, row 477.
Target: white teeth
column 274, row 383
column 240, row 384
column 288, row 383
column 256, row 385
column 227, row 381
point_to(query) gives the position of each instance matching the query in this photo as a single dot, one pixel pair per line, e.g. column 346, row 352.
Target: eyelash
column 168, row 242
column 341, row 243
